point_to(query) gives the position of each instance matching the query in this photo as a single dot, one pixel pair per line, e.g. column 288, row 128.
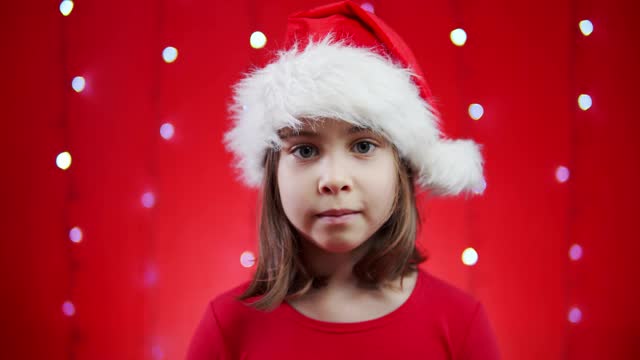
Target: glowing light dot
column 480, row 188
column 586, row 27
column 65, row 7
column 258, row 40
column 584, row 101
column 247, row 259
column 167, row 131
column 157, row 353
column 78, row 83
column 63, row 160
column 169, row 54
column 148, row 200
column 469, row 256
column 575, row 252
column 68, row 308
column 476, row 111
column 575, row 315
column 150, row 276
column 368, row 7
column 75, row 234
column 562, row 174
column 458, row 37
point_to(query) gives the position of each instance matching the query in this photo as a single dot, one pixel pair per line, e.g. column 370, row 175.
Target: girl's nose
column 334, row 178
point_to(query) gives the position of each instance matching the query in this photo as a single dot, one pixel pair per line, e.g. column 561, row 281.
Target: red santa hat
column 342, row 62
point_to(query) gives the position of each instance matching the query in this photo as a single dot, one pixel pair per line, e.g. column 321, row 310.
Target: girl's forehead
column 314, row 127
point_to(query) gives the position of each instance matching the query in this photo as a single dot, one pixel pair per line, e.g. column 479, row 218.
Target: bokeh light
column 166, row 131
column 169, row 54
column 368, row 7
column 258, row 40
column 458, row 37
column 247, row 259
column 586, row 27
column 63, row 160
column 585, row 102
column 480, row 189
column 68, row 308
column 575, row 252
column 476, row 111
column 66, row 7
column 562, row 174
column 148, row 200
column 469, row 256
column 75, row 234
column 78, row 83
column 575, row 315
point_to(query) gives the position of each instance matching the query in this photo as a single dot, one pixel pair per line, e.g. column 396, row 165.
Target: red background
column 141, row 277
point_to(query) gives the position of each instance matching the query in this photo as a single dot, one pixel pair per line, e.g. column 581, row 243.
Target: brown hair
column 281, row 274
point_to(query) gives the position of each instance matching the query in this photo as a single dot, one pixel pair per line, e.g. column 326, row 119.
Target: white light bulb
column 469, row 256
column 78, row 83
column 585, row 102
column 66, row 7
column 586, row 27
column 63, row 160
column 458, row 37
column 169, row 54
column 476, row 111
column 258, row 40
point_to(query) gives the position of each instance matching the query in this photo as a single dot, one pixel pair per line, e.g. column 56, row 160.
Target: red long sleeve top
column 437, row 321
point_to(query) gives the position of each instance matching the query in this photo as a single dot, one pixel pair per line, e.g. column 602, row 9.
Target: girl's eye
column 364, row 147
column 304, row 151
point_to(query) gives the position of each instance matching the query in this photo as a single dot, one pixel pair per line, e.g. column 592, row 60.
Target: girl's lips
column 338, row 219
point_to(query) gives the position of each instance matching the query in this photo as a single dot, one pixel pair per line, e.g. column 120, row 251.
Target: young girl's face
column 337, row 183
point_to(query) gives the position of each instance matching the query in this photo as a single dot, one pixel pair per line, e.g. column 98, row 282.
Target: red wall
column 141, row 277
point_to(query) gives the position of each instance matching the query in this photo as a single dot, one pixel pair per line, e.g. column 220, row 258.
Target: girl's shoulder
column 441, row 293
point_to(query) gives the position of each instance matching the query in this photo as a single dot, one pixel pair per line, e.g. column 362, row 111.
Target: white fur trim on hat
column 329, row 79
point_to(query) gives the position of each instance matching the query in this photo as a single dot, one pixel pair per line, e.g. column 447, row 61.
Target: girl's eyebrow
column 287, row 133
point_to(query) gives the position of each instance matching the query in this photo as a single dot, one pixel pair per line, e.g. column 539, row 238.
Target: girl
column 337, row 132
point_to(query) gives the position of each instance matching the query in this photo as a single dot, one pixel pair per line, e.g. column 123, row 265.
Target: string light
column 75, row 234
column 585, row 102
column 258, row 40
column 66, row 7
column 169, row 54
column 458, row 37
column 368, row 7
column 63, row 160
column 562, row 174
column 586, row 27
column 78, row 83
column 166, row 131
column 247, row 259
column 476, row 111
column 469, row 256
column 148, row 200
column 575, row 252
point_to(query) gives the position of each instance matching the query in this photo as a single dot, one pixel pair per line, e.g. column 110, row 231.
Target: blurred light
column 150, row 275
column 586, row 27
column 476, row 111
column 148, row 200
column 68, row 308
column 584, row 101
column 562, row 174
column 575, row 252
column 575, row 315
column 458, row 37
column 258, row 40
column 247, row 259
column 156, row 352
column 244, row 107
column 75, row 234
column 368, row 7
column 480, row 188
column 469, row 256
column 78, row 83
column 65, row 7
column 166, row 131
column 63, row 160
column 169, row 54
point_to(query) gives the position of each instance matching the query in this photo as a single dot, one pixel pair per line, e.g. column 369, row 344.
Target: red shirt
column 437, row 321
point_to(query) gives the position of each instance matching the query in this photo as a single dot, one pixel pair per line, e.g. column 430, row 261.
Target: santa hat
column 343, row 62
